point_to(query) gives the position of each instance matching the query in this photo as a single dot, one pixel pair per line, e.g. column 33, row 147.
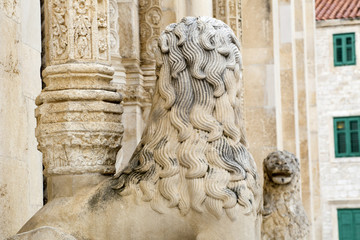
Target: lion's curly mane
column 192, row 152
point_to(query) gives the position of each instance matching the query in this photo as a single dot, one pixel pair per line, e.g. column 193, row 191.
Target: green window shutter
column 345, row 225
column 347, row 136
column 349, row 224
column 338, row 52
column 354, row 135
column 344, row 49
column 357, row 223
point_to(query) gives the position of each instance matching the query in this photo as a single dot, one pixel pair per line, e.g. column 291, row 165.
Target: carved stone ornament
column 284, row 217
column 150, row 15
column 59, row 29
column 103, row 29
column 191, row 176
column 137, row 93
column 10, row 8
column 82, row 29
column 229, row 11
column 76, row 30
column 113, row 19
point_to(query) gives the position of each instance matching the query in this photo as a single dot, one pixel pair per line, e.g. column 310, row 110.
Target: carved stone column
column 229, row 11
column 119, row 78
column 139, row 23
column 150, row 15
column 79, row 113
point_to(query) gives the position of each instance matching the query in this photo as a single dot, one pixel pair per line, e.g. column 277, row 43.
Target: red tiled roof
column 337, row 9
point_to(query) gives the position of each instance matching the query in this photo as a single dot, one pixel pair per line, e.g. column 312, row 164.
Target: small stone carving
column 150, row 15
column 11, row 8
column 284, row 217
column 102, row 28
column 144, row 3
column 102, row 21
column 145, row 31
column 154, row 16
column 136, row 93
column 59, row 28
column 191, row 176
column 102, row 45
column 82, row 29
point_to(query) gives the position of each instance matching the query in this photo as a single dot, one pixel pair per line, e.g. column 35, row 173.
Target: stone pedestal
column 79, row 113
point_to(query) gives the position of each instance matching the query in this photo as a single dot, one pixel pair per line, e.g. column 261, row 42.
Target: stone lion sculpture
column 191, row 176
column 284, row 217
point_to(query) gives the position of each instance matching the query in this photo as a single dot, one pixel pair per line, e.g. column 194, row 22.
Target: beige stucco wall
column 20, row 83
column 338, row 95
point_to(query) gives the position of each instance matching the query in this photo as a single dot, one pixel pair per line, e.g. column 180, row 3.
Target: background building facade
column 338, row 84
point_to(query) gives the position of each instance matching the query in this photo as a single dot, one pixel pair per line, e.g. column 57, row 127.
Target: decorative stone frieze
column 79, row 126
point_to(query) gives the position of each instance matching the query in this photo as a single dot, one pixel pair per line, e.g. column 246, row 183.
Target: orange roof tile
column 337, row 9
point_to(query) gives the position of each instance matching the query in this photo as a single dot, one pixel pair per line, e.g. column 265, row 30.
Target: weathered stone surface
column 43, row 233
column 79, row 126
column 20, row 83
column 284, row 217
column 191, row 175
column 79, row 119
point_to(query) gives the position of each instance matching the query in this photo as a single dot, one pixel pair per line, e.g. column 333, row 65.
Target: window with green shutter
column 349, row 224
column 344, row 49
column 347, row 136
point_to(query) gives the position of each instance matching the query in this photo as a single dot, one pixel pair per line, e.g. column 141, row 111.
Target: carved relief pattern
column 59, row 29
column 113, row 19
column 239, row 19
column 229, row 11
column 132, row 93
column 150, row 15
column 10, row 8
column 96, row 154
column 102, row 24
column 77, row 30
column 82, row 29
